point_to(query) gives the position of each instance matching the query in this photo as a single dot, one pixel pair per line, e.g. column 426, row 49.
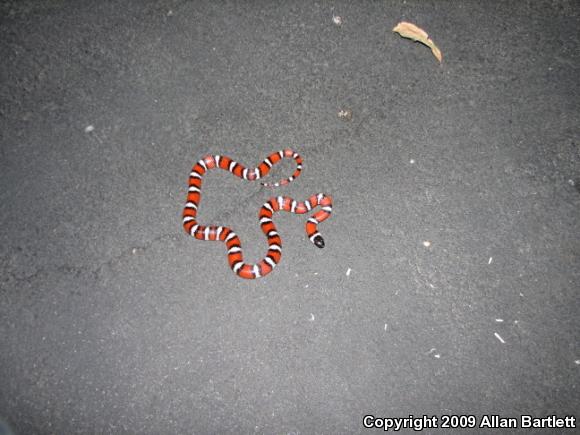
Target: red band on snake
column 275, row 204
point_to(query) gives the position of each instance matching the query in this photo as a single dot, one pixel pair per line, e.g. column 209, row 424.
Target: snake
column 265, row 215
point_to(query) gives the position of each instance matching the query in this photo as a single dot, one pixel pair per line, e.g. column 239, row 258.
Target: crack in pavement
column 12, row 278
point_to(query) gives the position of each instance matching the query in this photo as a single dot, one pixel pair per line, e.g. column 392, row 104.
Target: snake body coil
column 275, row 204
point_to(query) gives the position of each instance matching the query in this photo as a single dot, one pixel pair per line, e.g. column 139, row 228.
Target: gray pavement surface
column 113, row 320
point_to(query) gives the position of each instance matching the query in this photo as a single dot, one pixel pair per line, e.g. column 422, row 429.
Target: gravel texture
column 450, row 277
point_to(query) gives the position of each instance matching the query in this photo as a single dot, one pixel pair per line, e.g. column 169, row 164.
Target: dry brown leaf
column 410, row 31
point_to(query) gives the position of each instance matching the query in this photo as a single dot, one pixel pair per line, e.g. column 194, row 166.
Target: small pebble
column 412, row 161
column 345, row 114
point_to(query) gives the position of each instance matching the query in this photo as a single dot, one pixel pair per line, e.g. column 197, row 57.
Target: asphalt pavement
column 449, row 281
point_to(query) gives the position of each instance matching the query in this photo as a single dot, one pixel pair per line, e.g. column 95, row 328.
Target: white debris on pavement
column 345, row 114
column 490, row 260
column 412, row 161
column 499, row 337
column 426, row 243
column 337, row 20
column 89, row 128
column 311, row 317
column 436, row 355
column 499, row 320
column 348, row 272
column 385, row 326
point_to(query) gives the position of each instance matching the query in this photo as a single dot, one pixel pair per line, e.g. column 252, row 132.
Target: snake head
column 319, row 241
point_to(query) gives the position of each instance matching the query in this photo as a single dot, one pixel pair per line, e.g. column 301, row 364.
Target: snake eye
column 319, row 241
